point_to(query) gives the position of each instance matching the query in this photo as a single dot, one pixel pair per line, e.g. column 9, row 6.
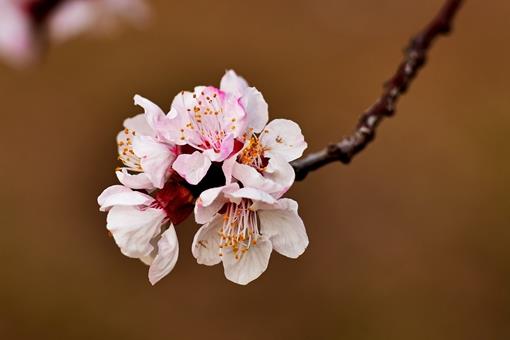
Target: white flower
column 241, row 228
column 135, row 221
column 263, row 162
column 147, row 157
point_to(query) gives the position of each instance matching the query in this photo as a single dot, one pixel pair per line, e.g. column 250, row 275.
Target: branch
column 414, row 60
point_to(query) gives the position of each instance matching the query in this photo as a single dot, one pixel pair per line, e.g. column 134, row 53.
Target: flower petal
column 120, row 195
column 226, row 148
column 233, row 83
column 165, row 260
column 256, row 108
column 276, row 178
column 283, row 137
column 147, row 260
column 250, row 177
column 250, row 265
column 192, row 167
column 211, row 201
column 18, row 43
column 284, row 228
column 257, row 196
column 140, row 125
column 227, row 168
column 150, row 258
column 155, row 158
column 280, row 172
column 206, row 243
column 178, row 129
column 153, row 112
column 135, row 181
column 72, row 18
column 133, row 229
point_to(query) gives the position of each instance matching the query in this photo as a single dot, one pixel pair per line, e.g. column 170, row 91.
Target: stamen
column 206, row 120
column 240, row 228
column 126, row 152
column 252, row 154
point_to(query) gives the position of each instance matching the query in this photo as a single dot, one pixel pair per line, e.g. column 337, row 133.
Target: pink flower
column 18, row 43
column 146, row 156
column 137, row 222
column 76, row 17
column 241, row 228
column 27, row 25
column 212, row 121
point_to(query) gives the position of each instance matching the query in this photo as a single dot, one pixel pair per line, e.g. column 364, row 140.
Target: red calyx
column 176, row 200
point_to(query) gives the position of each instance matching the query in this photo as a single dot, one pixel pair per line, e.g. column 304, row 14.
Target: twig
column 414, row 60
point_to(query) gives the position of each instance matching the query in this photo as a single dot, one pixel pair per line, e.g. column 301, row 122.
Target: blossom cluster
column 213, row 154
column 26, row 25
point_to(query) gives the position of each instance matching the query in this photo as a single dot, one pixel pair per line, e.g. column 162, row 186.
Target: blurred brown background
column 411, row 241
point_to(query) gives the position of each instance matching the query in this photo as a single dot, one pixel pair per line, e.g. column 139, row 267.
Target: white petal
column 168, row 252
column 211, row 201
column 276, row 178
column 111, row 190
column 153, row 113
column 283, row 137
column 257, row 196
column 150, row 258
column 206, row 243
column 250, row 177
column 133, row 229
column 280, row 172
column 120, row 195
column 227, row 167
column 135, row 181
column 192, row 168
column 251, row 264
column 232, row 83
column 139, row 124
column 156, row 158
column 257, row 112
column 284, row 228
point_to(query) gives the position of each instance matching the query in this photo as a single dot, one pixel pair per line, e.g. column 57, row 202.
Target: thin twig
column 414, row 60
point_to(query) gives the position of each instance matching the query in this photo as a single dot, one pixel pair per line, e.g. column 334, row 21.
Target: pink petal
column 192, row 168
column 233, row 83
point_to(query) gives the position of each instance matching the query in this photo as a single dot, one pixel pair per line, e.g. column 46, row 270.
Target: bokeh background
column 410, row 241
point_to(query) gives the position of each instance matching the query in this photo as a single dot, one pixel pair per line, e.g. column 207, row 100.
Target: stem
column 414, row 59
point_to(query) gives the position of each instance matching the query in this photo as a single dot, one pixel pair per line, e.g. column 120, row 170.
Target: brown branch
column 414, row 60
